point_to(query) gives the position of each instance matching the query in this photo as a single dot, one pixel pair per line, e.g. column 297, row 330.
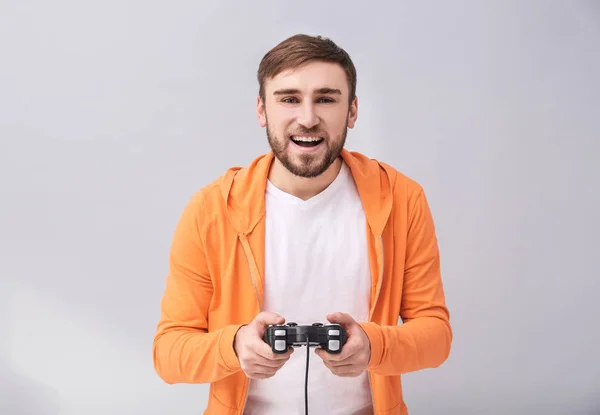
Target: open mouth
column 306, row 141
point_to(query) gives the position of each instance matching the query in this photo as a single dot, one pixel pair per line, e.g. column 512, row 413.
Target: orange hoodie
column 216, row 279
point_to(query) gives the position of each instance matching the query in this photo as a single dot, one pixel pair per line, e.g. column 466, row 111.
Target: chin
column 307, row 167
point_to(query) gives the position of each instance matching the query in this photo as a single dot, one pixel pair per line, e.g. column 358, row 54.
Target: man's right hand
column 255, row 355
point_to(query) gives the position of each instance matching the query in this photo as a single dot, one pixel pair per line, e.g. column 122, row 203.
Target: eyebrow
column 292, row 91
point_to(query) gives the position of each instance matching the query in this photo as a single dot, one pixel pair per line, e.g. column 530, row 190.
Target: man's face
column 307, row 113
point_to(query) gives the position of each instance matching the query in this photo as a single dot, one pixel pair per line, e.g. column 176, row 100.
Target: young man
column 309, row 232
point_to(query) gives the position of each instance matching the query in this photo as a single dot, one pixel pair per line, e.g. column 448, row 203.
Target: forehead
column 309, row 77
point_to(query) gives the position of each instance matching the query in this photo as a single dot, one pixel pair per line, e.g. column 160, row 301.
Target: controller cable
column 306, row 377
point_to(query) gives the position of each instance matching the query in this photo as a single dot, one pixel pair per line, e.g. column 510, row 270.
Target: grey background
column 113, row 113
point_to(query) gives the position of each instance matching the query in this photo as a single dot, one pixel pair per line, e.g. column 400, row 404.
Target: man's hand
column 256, row 357
column 356, row 353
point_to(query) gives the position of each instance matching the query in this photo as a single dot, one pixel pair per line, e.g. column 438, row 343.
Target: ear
column 261, row 112
column 353, row 113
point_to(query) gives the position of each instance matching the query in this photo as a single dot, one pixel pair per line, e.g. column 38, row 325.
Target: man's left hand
column 356, row 353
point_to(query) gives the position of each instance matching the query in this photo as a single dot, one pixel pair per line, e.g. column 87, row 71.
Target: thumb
column 265, row 318
column 342, row 319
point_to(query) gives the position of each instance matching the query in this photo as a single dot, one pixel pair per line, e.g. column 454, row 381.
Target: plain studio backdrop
column 113, row 113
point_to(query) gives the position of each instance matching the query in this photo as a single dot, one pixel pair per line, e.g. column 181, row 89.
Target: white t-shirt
column 316, row 263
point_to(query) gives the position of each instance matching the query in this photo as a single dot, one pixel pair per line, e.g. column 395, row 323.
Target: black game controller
column 330, row 337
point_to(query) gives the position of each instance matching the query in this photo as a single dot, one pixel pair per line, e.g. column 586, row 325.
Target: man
column 309, row 232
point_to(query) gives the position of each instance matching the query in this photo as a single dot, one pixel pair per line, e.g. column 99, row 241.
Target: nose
column 308, row 116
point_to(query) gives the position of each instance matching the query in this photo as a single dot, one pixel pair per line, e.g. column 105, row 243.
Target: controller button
column 334, row 345
column 334, row 332
column 280, row 345
column 280, row 332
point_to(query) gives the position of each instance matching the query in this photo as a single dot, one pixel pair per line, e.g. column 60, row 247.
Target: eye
column 289, row 100
column 326, row 100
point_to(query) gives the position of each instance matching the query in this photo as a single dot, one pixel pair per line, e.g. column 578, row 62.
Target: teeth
column 305, row 139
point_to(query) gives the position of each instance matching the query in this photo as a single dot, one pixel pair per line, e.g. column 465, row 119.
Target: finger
column 260, row 375
column 346, row 368
column 264, row 350
column 328, row 357
column 261, row 372
column 266, row 318
column 347, row 352
column 264, row 362
column 266, row 365
column 261, row 367
column 349, row 374
column 337, row 363
column 342, row 319
column 278, row 361
column 340, row 363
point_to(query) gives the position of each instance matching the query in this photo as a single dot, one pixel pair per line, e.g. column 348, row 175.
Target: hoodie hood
column 243, row 190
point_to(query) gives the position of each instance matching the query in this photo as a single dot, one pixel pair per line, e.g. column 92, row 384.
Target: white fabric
column 316, row 263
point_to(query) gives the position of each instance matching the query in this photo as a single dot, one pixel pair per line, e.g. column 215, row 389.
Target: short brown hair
column 301, row 49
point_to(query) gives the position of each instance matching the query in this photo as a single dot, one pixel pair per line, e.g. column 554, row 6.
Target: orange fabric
column 215, row 283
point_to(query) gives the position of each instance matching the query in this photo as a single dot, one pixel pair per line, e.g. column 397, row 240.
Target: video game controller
column 330, row 337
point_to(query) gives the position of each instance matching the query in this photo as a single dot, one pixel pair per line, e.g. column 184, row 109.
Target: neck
column 301, row 187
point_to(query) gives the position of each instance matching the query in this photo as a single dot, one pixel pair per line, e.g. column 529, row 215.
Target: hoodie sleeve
column 183, row 349
column 423, row 339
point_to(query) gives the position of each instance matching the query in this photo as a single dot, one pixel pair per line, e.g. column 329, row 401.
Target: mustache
column 307, row 131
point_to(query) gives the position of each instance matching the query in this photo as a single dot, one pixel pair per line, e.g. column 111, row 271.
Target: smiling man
column 309, row 232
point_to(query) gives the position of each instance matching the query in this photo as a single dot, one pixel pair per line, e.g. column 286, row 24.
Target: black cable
column 306, row 378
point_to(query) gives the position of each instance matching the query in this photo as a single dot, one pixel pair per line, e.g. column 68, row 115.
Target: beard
column 306, row 165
